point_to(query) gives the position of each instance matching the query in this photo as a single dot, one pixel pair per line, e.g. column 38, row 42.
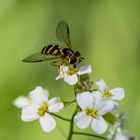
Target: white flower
column 92, row 112
column 21, row 101
column 106, row 93
column 39, row 108
column 70, row 75
column 121, row 135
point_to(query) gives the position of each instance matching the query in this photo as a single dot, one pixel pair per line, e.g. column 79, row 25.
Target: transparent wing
column 62, row 33
column 38, row 57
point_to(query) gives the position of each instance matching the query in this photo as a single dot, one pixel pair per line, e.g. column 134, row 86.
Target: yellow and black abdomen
column 52, row 50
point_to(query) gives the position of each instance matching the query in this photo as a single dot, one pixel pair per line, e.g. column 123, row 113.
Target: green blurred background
column 106, row 32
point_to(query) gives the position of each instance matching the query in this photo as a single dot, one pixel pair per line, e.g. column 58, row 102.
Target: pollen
column 91, row 112
column 72, row 71
column 106, row 94
column 43, row 108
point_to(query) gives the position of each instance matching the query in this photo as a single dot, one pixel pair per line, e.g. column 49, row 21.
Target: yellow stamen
column 43, row 109
column 91, row 112
column 106, row 94
column 72, row 71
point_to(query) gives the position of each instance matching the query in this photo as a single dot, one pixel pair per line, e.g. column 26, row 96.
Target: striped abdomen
column 52, row 50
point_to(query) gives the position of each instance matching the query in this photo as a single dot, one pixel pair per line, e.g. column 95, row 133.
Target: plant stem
column 69, row 103
column 71, row 125
column 91, row 135
column 65, row 119
column 71, row 130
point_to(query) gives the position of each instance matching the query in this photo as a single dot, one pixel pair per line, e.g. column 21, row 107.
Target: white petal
column 63, row 69
column 53, row 100
column 101, row 85
column 98, row 95
column 117, row 93
column 82, row 120
column 21, row 101
column 99, row 125
column 71, row 79
column 47, row 122
column 121, row 136
column 85, row 100
column 39, row 95
column 105, row 106
column 61, row 75
column 29, row 113
column 56, row 107
column 115, row 105
column 84, row 70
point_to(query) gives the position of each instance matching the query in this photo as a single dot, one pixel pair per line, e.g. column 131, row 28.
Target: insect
column 58, row 53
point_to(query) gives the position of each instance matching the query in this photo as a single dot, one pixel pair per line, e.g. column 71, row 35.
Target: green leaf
column 84, row 77
column 110, row 118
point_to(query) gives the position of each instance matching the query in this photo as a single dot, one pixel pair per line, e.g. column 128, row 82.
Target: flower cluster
column 92, row 104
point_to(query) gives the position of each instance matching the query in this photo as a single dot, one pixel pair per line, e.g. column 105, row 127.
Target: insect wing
column 62, row 33
column 38, row 57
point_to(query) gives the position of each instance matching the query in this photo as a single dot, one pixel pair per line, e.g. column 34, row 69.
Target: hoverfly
column 58, row 53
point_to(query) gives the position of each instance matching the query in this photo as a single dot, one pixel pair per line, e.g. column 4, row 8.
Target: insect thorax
column 71, row 55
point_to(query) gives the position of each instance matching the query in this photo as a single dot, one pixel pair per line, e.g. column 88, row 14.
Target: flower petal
column 70, row 79
column 53, row 100
column 58, row 77
column 30, row 113
column 101, row 84
column 115, row 105
column 82, row 120
column 84, row 70
column 121, row 136
column 98, row 95
column 21, row 101
column 64, row 68
column 39, row 95
column 85, row 100
column 104, row 107
column 117, row 93
column 55, row 105
column 99, row 125
column 47, row 122
column 61, row 72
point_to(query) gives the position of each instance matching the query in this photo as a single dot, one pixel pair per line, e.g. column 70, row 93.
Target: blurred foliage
column 106, row 32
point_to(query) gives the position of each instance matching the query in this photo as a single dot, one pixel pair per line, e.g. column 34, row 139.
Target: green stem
column 71, row 130
column 91, row 135
column 69, row 103
column 71, row 125
column 62, row 118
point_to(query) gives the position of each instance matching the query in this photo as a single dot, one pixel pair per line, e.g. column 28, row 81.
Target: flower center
column 106, row 94
column 43, row 109
column 72, row 71
column 91, row 112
